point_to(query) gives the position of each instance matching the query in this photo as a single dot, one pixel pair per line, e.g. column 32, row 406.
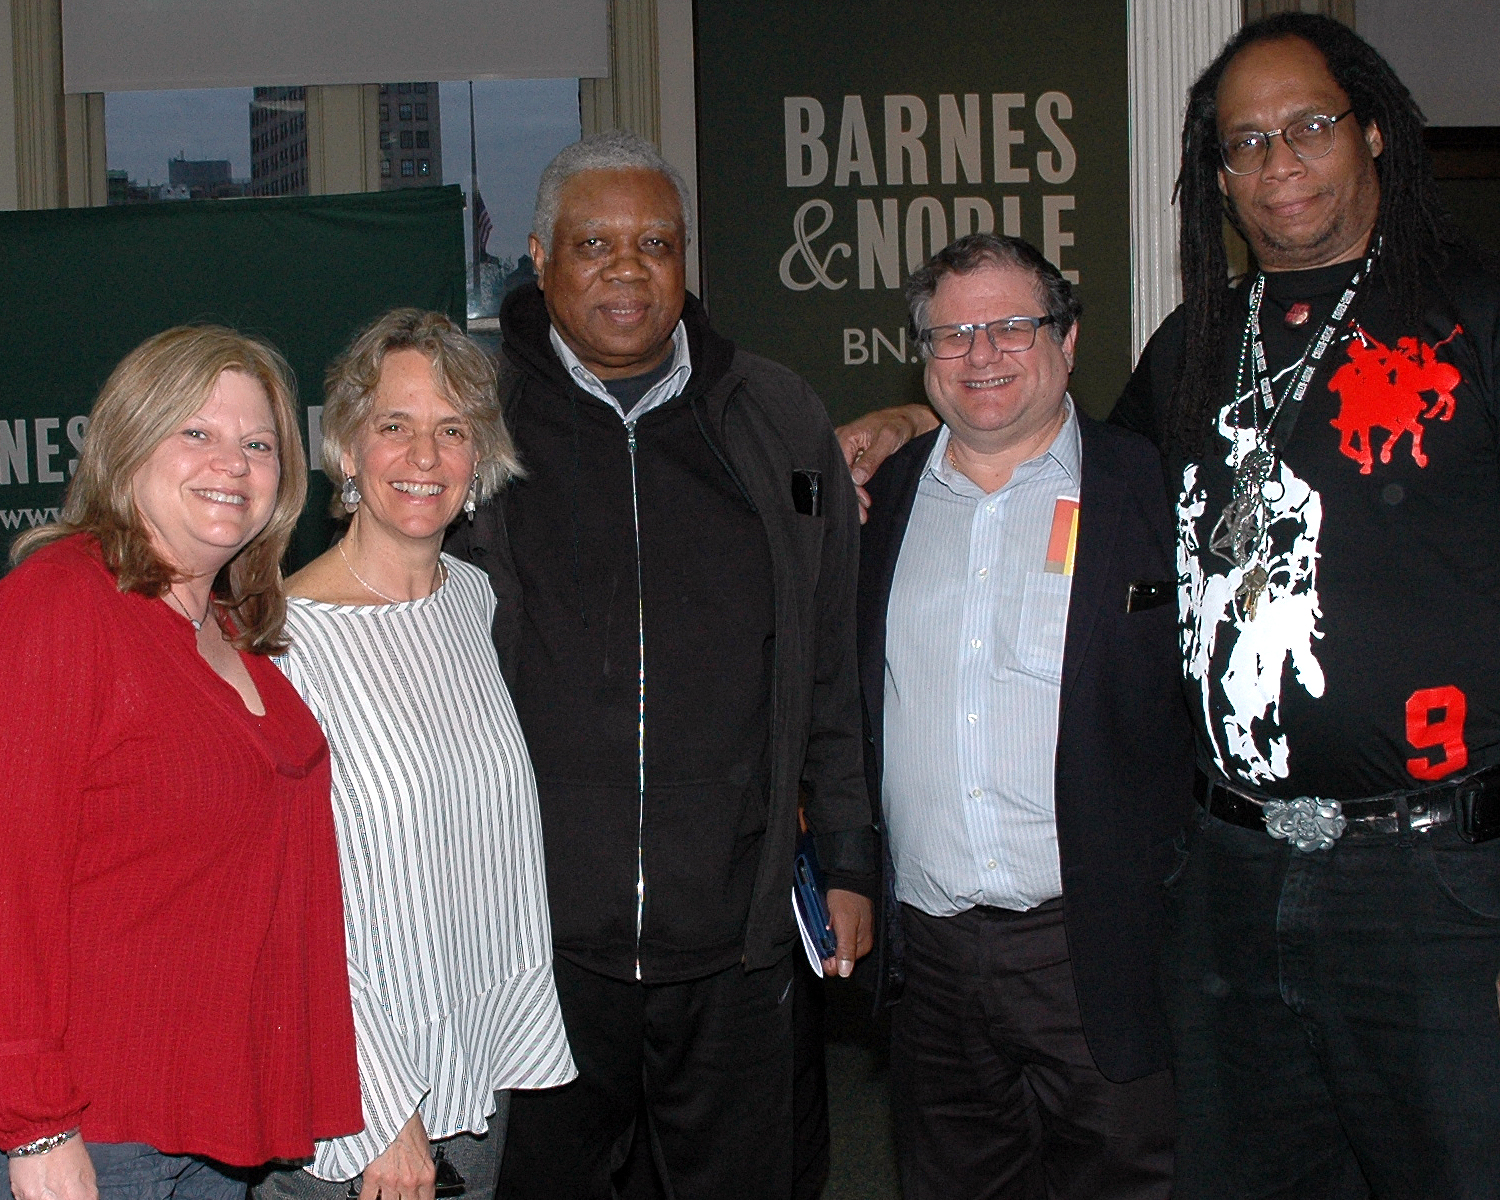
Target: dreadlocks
column 1416, row 232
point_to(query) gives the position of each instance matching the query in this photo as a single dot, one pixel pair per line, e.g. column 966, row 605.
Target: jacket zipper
column 640, row 736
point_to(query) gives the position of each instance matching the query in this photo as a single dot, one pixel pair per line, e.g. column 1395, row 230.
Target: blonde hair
column 154, row 389
column 465, row 374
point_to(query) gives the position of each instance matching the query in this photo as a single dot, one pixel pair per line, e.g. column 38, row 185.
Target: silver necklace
column 1240, row 535
column 439, row 576
column 182, row 608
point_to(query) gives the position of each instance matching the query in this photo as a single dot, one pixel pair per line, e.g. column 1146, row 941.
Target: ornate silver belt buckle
column 1307, row 822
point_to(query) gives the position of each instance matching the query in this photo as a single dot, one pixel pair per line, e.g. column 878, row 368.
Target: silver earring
column 471, row 501
column 349, row 497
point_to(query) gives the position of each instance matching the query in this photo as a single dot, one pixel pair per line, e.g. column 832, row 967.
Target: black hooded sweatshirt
column 679, row 643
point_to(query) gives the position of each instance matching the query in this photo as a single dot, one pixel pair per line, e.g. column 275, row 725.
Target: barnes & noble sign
column 840, row 145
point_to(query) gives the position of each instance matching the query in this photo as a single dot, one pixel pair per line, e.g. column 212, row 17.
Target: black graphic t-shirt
column 1372, row 662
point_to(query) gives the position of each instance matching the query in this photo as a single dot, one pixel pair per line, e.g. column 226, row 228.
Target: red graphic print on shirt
column 1435, row 718
column 1381, row 388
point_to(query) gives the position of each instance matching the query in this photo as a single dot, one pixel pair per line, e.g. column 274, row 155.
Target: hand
column 853, row 920
column 869, row 440
column 404, row 1171
column 66, row 1173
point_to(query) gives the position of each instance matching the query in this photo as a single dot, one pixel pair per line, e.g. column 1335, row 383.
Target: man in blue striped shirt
column 1030, row 746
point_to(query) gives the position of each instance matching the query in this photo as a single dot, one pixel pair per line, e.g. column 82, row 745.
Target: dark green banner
column 81, row 287
column 840, row 144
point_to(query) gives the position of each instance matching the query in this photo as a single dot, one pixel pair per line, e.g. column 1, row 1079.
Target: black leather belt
column 1425, row 809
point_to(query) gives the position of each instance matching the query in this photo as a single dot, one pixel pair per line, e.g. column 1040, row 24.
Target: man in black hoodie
column 675, row 575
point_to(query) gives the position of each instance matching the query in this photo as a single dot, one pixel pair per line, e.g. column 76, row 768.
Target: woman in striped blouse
column 450, row 955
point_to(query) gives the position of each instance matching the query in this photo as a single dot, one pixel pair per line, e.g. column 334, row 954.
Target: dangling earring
column 349, row 497
column 471, row 501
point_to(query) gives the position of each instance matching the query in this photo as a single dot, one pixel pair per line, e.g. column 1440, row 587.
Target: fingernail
column 846, row 968
column 859, row 475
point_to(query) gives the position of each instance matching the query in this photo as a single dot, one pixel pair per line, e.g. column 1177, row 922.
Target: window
column 419, row 88
column 424, row 167
column 385, row 166
column 385, row 109
column 385, row 88
column 385, row 139
column 424, row 139
column 421, row 112
column 406, row 139
column 519, row 125
column 403, row 88
column 408, row 168
column 202, row 143
column 406, row 112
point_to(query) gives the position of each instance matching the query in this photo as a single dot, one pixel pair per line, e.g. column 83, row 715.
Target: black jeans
column 713, row 1059
column 1334, row 1016
column 994, row 1093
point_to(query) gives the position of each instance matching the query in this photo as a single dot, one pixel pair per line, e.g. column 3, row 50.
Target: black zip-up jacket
column 681, row 533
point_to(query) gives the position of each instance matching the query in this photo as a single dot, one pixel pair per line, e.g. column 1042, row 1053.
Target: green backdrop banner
column 840, row 144
column 81, row 287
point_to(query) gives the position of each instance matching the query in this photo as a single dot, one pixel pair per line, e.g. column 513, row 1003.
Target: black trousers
column 994, row 1092
column 1334, row 1016
column 712, row 1059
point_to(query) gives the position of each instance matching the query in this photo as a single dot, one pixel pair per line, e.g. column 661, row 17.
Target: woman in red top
column 173, row 992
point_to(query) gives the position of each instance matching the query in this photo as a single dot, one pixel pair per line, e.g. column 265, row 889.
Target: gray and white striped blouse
column 445, row 908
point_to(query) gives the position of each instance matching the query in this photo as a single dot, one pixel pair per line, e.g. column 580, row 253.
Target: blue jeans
column 1334, row 1016
column 134, row 1171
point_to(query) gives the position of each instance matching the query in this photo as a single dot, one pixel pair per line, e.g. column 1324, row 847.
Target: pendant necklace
column 197, row 623
column 439, row 577
column 1241, row 534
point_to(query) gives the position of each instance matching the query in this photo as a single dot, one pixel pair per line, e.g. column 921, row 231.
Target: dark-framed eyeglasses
column 1008, row 335
column 1245, row 152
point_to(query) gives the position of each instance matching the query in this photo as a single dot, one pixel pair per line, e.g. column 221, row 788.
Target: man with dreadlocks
column 1330, row 426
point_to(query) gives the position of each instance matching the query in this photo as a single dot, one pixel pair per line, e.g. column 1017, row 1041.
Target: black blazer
column 1124, row 744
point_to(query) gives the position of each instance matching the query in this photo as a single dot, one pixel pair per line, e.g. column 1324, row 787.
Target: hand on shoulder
column 869, row 440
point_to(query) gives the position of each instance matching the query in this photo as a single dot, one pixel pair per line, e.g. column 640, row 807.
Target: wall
column 679, row 129
column 7, row 112
column 1444, row 50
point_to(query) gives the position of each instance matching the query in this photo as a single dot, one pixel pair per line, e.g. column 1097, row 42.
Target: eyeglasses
column 1008, row 335
column 1310, row 137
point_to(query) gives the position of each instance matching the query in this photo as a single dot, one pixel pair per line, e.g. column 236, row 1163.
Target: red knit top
column 172, row 964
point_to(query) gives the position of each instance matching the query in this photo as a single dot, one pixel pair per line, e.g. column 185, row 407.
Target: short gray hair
column 616, row 150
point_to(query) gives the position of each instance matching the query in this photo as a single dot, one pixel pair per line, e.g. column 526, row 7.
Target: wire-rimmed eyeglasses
column 1008, row 335
column 1245, row 152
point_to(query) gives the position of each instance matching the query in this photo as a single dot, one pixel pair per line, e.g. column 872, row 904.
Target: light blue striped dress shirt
column 973, row 668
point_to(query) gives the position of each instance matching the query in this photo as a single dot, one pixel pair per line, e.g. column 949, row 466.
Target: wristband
column 42, row 1145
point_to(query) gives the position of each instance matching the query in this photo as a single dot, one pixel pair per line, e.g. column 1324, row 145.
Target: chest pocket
column 1044, row 624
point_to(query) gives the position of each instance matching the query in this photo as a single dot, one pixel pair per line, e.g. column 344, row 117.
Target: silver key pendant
column 1250, row 589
